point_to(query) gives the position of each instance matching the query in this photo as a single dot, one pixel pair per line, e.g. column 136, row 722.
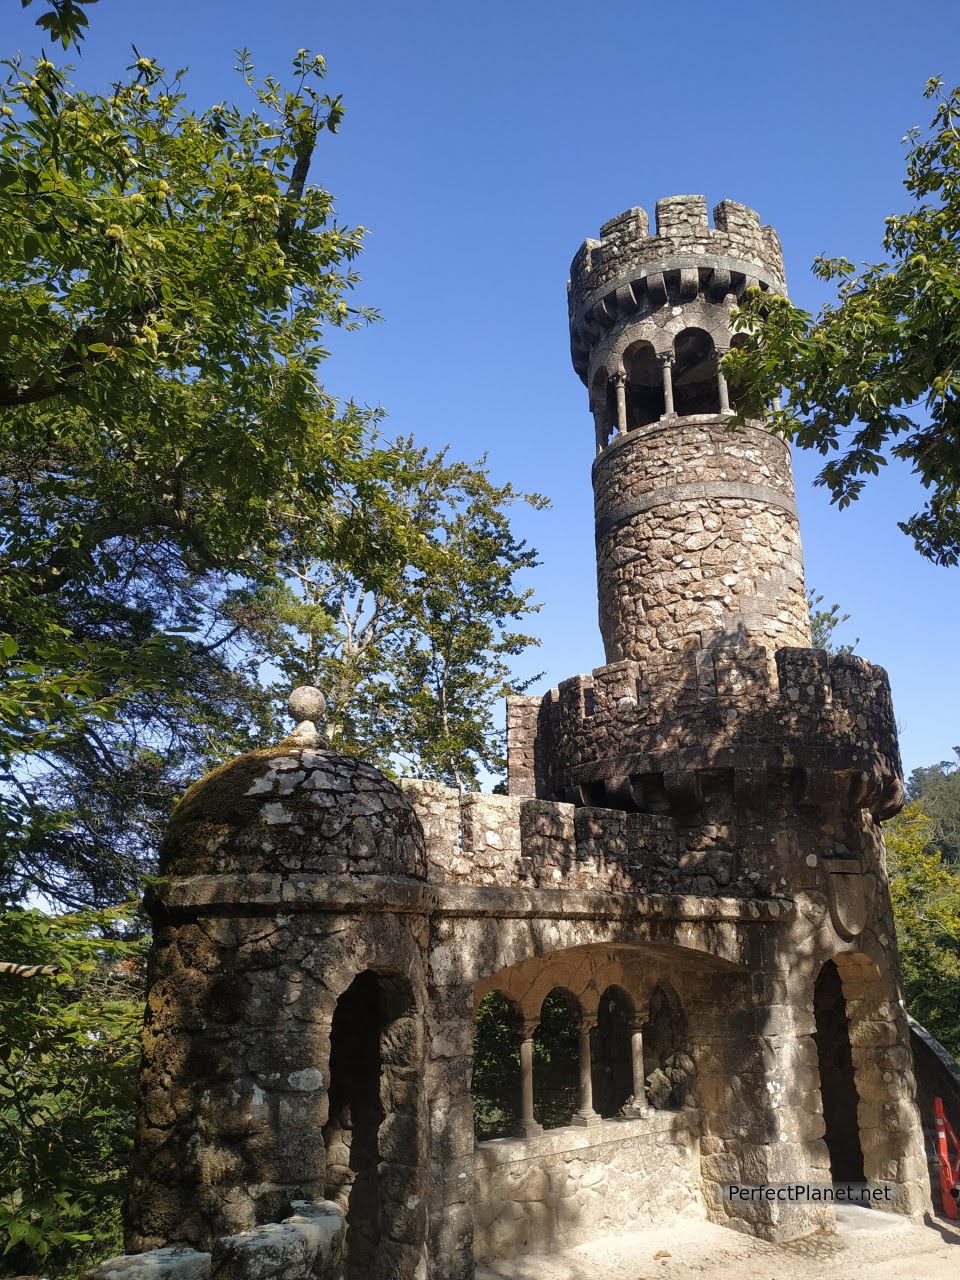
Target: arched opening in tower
column 838, row 1088
column 373, row 1057
column 556, row 1065
column 695, row 385
column 603, row 406
column 668, row 1068
column 496, row 1067
column 645, row 400
column 612, row 1052
column 742, row 403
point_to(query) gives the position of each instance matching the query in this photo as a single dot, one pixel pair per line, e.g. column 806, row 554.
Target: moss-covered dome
column 292, row 809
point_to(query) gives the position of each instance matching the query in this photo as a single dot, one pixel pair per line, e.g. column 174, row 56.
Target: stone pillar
column 620, row 385
column 722, row 388
column 526, row 1126
column 666, row 364
column 602, row 430
column 639, row 1106
column 585, row 1114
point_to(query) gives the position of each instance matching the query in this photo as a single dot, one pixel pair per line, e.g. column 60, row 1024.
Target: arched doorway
column 838, row 1089
column 372, row 1136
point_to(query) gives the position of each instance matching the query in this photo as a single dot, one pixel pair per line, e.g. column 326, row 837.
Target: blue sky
column 482, row 144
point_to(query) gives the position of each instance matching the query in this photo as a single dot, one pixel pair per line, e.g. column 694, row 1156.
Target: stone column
column 585, row 1114
column 526, row 1126
column 620, row 385
column 722, row 388
column 639, row 1106
column 601, row 429
column 666, row 364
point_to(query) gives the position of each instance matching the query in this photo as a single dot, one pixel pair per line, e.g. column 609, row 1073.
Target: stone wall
column 234, row 1120
column 569, row 1185
column 308, row 1245
column 487, row 840
column 826, row 720
column 697, row 541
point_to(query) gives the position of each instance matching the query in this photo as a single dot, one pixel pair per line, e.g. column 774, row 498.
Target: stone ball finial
column 307, row 706
column 306, row 703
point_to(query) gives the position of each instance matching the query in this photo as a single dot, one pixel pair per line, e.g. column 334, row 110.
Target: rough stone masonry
column 690, row 861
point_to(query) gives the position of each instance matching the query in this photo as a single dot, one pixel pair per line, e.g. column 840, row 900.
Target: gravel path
column 868, row 1245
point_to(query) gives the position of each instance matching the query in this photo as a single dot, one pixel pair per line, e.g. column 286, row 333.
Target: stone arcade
column 689, row 860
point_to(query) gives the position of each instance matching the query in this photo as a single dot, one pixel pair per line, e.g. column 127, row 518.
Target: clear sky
column 483, row 143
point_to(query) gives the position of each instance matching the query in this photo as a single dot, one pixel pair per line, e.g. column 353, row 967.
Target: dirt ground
column 868, row 1245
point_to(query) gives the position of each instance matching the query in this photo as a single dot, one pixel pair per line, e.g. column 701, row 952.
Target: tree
column 413, row 661
column 824, row 622
column 69, row 1050
column 65, row 20
column 878, row 371
column 936, row 788
column 925, row 893
column 165, row 277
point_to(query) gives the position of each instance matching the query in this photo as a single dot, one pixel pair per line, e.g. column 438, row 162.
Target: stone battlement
column 628, row 270
column 481, row 840
column 828, row 718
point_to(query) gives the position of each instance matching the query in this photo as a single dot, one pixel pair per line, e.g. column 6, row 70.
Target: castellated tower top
column 629, row 270
column 696, row 525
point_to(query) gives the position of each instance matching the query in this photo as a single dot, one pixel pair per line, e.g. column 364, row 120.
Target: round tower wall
column 697, row 540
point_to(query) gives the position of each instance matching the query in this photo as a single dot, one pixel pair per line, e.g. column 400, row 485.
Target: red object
column 949, row 1168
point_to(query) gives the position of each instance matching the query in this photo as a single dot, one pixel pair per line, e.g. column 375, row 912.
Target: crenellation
column 733, row 254
column 680, row 216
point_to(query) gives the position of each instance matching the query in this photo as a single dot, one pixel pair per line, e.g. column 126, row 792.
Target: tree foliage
column 824, row 623
column 171, row 457
column 65, row 20
column 877, row 372
column 936, row 788
column 165, row 279
column 414, row 661
column 925, row 892
column 69, row 1050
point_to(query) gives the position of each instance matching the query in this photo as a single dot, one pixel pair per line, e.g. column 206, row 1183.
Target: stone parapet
column 628, row 270
column 626, row 732
column 568, row 1185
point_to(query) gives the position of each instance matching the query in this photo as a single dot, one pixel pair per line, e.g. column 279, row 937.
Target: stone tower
column 697, row 538
column 687, row 878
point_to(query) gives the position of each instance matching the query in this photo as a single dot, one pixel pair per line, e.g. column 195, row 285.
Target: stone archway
column 613, row 1066
column 884, row 1089
column 372, row 1136
column 838, row 1087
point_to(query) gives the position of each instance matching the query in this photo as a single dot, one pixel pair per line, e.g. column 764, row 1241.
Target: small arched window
column 740, row 402
column 603, row 406
column 695, row 386
column 645, row 402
